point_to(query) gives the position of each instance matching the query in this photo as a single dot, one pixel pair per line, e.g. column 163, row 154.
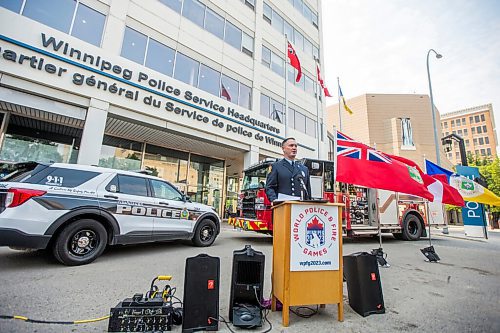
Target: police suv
column 77, row 210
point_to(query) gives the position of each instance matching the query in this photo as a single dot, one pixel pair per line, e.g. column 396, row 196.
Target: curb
column 463, row 238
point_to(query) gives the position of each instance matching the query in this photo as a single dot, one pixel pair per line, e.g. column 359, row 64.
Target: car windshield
column 255, row 178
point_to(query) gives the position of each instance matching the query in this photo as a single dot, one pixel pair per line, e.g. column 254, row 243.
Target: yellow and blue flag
column 343, row 101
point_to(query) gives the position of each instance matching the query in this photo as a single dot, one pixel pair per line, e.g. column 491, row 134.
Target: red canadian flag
column 294, row 61
column 322, row 83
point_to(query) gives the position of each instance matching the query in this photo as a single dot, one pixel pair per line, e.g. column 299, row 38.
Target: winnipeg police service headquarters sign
column 314, row 243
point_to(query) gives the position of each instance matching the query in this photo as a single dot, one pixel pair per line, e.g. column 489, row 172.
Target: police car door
column 128, row 199
column 173, row 219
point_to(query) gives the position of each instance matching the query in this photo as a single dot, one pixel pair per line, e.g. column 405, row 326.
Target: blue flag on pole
column 434, row 169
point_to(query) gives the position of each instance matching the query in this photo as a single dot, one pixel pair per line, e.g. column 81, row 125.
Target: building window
column 247, row 44
column 194, row 11
column 134, row 45
column 483, row 152
column 481, row 141
column 209, row 80
column 479, row 130
column 476, row 119
column 229, row 89
column 459, row 132
column 265, row 106
column 300, row 122
column 458, row 122
column 233, row 35
column 160, row 57
column 245, row 96
column 214, row 23
column 471, row 120
column 453, row 123
column 445, row 124
column 250, row 3
column 467, row 143
column 88, row 25
column 484, row 129
column 309, row 85
column 186, row 69
column 291, row 118
column 68, row 16
column 277, row 64
column 288, row 30
column 311, row 127
column 488, row 151
column 266, row 56
column 407, row 132
column 298, row 40
column 174, row 4
column 268, row 13
column 277, row 21
column 483, row 117
column 487, row 140
column 473, row 130
column 465, row 132
column 277, row 110
column 475, row 141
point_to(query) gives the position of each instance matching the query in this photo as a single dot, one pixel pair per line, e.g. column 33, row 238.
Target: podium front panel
column 314, row 238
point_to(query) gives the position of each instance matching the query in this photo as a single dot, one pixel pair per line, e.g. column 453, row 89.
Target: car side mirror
column 186, row 198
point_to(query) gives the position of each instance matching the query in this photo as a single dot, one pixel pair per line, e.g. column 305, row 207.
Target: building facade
column 476, row 126
column 193, row 90
column 397, row 124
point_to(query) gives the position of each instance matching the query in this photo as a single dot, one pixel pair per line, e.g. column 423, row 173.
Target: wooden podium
column 307, row 255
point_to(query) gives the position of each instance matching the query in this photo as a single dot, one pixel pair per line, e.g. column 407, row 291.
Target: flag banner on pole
column 224, row 93
column 472, row 191
column 436, row 184
column 322, row 83
column 343, row 101
column 434, row 169
column 294, row 61
column 362, row 165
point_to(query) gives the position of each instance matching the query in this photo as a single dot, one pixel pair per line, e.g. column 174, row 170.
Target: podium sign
column 307, row 249
column 314, row 239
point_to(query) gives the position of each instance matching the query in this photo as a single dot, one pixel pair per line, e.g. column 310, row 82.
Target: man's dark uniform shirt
column 284, row 178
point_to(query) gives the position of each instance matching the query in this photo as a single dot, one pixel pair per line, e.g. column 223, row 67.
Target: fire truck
column 405, row 216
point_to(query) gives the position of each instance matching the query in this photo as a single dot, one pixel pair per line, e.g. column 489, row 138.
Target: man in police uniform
column 288, row 176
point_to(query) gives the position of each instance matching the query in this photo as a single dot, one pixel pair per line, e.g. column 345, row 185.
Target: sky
column 380, row 46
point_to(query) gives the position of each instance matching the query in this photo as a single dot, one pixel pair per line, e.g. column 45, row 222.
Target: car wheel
column 80, row 242
column 398, row 235
column 412, row 228
column 205, row 233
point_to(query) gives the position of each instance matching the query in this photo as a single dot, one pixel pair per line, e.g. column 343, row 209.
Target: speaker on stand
column 201, row 294
column 363, row 283
column 247, row 283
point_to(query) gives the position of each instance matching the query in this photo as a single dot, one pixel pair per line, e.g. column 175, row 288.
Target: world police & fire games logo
column 314, row 230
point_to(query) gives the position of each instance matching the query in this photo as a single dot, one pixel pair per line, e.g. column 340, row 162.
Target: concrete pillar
column 93, row 132
column 251, row 157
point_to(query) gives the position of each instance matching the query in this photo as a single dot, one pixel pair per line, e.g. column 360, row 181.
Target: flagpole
column 340, row 113
column 285, row 114
column 318, row 94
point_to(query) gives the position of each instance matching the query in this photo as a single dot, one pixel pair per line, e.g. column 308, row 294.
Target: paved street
column 459, row 294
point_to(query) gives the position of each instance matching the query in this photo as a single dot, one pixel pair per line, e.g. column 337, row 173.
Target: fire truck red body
column 403, row 215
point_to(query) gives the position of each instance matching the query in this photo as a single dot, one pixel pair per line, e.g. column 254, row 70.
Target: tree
column 490, row 170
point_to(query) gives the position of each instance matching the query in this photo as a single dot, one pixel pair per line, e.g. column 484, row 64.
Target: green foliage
column 491, row 172
column 154, row 171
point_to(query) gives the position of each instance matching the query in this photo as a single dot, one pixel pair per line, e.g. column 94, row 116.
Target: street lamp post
column 436, row 138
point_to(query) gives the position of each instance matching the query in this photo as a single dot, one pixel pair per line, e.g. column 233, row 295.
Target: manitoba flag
column 322, row 83
column 362, row 165
column 294, row 61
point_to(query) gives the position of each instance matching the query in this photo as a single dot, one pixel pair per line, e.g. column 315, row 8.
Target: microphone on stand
column 303, row 185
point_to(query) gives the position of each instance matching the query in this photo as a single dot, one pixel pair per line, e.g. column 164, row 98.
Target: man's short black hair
column 285, row 141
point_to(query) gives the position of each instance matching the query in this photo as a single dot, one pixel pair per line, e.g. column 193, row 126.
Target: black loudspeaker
column 201, row 294
column 247, row 283
column 363, row 283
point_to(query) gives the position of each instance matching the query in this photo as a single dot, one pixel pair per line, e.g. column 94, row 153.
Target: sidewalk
column 457, row 231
